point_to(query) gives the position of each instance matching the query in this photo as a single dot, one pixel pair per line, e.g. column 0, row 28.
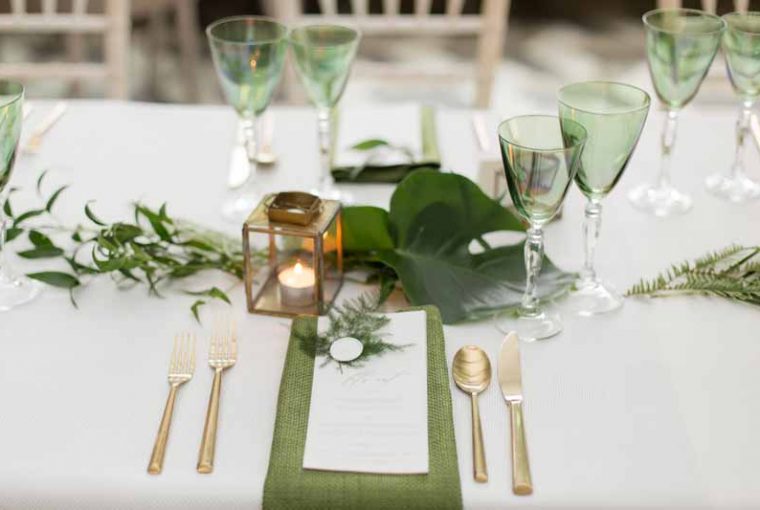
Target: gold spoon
column 472, row 374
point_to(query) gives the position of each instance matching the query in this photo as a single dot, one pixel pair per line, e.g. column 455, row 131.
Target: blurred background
column 459, row 53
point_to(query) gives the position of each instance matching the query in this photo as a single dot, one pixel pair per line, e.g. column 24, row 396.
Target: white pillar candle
column 297, row 285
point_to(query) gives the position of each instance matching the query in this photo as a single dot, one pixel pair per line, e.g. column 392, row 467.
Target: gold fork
column 222, row 354
column 181, row 368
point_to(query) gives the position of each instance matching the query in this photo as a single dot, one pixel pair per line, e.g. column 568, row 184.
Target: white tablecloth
column 654, row 406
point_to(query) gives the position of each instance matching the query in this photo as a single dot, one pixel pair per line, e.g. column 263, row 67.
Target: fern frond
column 731, row 273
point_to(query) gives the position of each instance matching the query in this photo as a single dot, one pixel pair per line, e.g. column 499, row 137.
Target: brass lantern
column 293, row 250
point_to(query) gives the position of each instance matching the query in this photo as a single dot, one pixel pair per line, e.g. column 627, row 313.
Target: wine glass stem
column 667, row 143
column 250, row 126
column 534, row 255
column 742, row 129
column 591, row 225
column 324, row 133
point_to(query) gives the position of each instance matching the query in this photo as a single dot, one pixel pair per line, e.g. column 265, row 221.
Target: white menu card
column 373, row 418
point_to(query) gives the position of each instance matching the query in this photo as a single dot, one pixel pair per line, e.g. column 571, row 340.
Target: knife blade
column 510, row 380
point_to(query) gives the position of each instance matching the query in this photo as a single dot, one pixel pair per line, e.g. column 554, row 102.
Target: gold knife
column 510, row 381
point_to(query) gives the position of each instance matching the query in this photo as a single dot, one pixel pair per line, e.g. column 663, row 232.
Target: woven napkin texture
column 289, row 487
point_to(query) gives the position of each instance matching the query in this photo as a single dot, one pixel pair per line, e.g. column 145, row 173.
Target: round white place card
column 346, row 349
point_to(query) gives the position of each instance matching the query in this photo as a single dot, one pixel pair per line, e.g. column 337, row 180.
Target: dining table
column 653, row 406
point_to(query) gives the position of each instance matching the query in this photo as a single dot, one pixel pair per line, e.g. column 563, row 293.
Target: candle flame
column 298, row 268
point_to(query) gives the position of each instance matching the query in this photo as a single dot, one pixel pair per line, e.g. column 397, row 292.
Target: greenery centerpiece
column 431, row 240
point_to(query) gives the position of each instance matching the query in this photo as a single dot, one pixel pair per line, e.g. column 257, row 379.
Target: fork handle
column 159, row 448
column 522, row 485
column 208, row 444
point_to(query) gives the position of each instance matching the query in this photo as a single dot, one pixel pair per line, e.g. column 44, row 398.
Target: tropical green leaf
column 432, row 221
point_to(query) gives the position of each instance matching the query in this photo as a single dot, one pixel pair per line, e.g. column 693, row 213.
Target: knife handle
column 522, row 485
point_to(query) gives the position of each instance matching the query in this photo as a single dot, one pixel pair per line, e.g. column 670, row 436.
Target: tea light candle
column 297, row 285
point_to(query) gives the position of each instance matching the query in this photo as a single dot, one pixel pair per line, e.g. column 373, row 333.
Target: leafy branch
column 151, row 250
column 732, row 273
column 357, row 318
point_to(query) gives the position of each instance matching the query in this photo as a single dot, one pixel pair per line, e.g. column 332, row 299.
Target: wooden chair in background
column 185, row 13
column 707, row 5
column 74, row 17
column 488, row 25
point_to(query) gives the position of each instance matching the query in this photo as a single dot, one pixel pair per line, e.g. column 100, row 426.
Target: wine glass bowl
column 681, row 45
column 14, row 289
column 613, row 115
column 248, row 54
column 741, row 48
column 540, row 157
column 323, row 56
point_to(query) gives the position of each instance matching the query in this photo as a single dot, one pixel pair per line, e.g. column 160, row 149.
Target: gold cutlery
column 181, row 368
column 472, row 374
column 510, row 380
column 35, row 140
column 222, row 355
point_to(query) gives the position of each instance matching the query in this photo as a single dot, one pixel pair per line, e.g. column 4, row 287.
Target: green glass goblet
column 741, row 47
column 613, row 115
column 248, row 54
column 323, row 56
column 681, row 45
column 14, row 289
column 540, row 157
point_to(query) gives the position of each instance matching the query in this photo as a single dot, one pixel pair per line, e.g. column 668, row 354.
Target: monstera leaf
column 427, row 238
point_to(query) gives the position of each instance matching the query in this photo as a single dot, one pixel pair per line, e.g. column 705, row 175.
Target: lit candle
column 297, row 285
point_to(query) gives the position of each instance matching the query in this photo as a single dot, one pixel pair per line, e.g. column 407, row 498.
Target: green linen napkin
column 290, row 487
column 431, row 159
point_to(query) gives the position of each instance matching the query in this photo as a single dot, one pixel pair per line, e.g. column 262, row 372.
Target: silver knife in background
column 510, row 380
column 35, row 140
column 240, row 168
column 754, row 127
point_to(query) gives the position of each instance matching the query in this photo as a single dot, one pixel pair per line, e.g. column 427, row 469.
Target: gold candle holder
column 303, row 269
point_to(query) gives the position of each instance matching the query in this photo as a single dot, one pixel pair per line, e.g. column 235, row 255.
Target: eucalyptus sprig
column 357, row 318
column 732, row 273
column 151, row 250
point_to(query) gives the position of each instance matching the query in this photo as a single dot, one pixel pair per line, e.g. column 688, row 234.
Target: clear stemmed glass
column 323, row 56
column 14, row 289
column 741, row 47
column 248, row 54
column 613, row 115
column 540, row 157
column 681, row 45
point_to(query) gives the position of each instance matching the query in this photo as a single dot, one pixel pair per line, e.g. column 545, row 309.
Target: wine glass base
column 238, row 208
column 660, row 202
column 530, row 327
column 592, row 298
column 16, row 290
column 734, row 189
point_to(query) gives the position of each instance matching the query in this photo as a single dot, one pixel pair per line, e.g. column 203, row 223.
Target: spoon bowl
column 472, row 369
